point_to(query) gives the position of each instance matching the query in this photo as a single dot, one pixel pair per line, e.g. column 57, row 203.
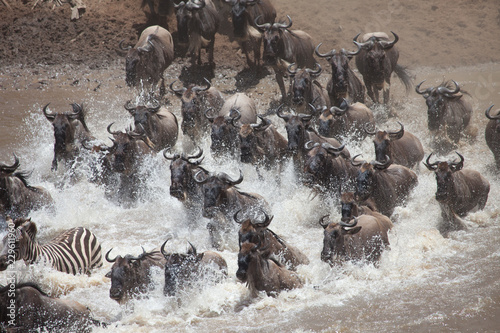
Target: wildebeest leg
column 256, row 51
column 386, row 90
column 369, row 91
column 215, row 236
column 162, row 87
column 211, row 52
column 451, row 221
column 281, row 84
column 244, row 48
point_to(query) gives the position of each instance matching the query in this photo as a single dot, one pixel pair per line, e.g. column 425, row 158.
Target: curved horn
column 489, row 116
column 316, row 72
column 349, row 225
column 429, row 165
column 155, row 107
column 456, row 166
column 128, row 106
column 200, row 180
column 170, row 157
column 194, row 5
column 367, row 131
column 107, row 256
column 290, row 71
column 49, row 116
column 193, row 249
column 235, row 217
column 230, row 181
column 388, row 45
column 354, row 163
column 109, row 129
column 398, row 134
column 310, row 145
column 180, row 4
column 446, row 91
column 331, row 149
column 178, row 92
column 382, row 165
column 13, row 167
column 321, row 221
column 264, row 26
column 340, row 110
column 198, row 88
column 361, row 45
column 266, row 222
column 323, row 55
column 283, row 25
column 162, row 248
column 235, row 118
column 210, row 118
column 124, row 48
column 420, row 92
column 286, row 117
column 196, row 155
column 353, row 53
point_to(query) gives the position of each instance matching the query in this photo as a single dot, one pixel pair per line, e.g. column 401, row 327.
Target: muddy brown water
column 425, row 283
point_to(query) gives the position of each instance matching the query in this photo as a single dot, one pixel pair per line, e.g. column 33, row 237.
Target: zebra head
column 18, row 242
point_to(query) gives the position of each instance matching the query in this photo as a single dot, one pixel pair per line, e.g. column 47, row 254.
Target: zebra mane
column 32, row 229
column 6, row 288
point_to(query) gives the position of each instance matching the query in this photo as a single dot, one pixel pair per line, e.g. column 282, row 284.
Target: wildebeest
column 350, row 208
column 387, row 184
column 17, row 197
column 305, row 90
column 257, row 232
column 32, row 310
column 346, row 121
column 182, row 271
column 400, row 146
column 197, row 23
column 459, row 191
column 261, row 144
column 131, row 275
column 239, row 108
column 327, row 169
column 76, row 250
column 343, row 84
column 262, row 273
column 362, row 239
column 448, row 114
column 70, row 133
column 243, row 14
column 376, row 60
column 492, row 134
column 159, row 11
column 299, row 132
column 221, row 200
column 194, row 101
column 282, row 47
column 149, row 58
column 156, row 122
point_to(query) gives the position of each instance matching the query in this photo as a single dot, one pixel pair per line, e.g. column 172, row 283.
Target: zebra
column 74, row 251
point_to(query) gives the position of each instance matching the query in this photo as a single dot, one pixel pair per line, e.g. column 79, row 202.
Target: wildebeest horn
column 263, row 125
column 266, row 222
column 264, row 26
column 426, row 91
column 304, row 117
column 448, row 92
column 197, row 179
column 316, row 110
column 354, row 163
column 349, row 225
column 128, row 106
column 77, row 109
column 340, row 110
column 369, row 131
column 107, row 256
column 489, row 116
column 323, row 55
column 170, row 157
column 331, row 149
column 192, row 250
column 155, row 107
column 353, row 53
column 196, row 155
column 361, row 45
column 179, row 92
column 429, row 165
column 235, row 118
column 382, row 165
column 180, row 4
column 283, row 25
column 109, row 129
column 192, row 5
column 310, row 145
column 11, row 168
column 456, row 166
column 225, row 177
column 316, row 72
column 290, row 71
column 235, row 217
column 321, row 223
column 286, row 117
column 198, row 88
column 124, row 48
column 49, row 116
column 162, row 248
column 398, row 134
column 388, row 45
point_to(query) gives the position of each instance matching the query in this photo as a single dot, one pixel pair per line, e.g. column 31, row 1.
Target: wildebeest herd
column 311, row 134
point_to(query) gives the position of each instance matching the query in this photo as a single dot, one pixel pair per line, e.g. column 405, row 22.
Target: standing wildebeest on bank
column 492, row 134
column 363, row 239
column 157, row 123
column 131, row 276
column 35, row 311
column 70, row 133
column 376, row 60
column 159, row 11
column 401, row 147
column 243, row 14
column 458, row 192
column 282, row 47
column 327, row 169
column 183, row 271
column 346, row 121
column 197, row 23
column 388, row 185
column 76, row 250
column 221, row 200
column 262, row 144
column 194, row 101
column 305, row 90
column 149, row 58
column 343, row 83
column 237, row 108
column 257, row 232
column 448, row 115
column 17, row 198
column 262, row 273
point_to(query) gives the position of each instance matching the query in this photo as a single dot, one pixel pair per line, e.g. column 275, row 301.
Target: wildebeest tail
column 404, row 75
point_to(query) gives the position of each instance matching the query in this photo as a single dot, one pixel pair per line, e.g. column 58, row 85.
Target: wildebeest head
column 64, row 131
column 334, row 249
column 224, row 133
column 136, row 60
column 331, row 120
column 251, row 230
column 17, row 239
column 273, row 40
column 349, row 207
column 319, row 161
column 339, row 62
column 495, row 118
column 296, row 127
column 375, row 56
column 128, row 275
column 382, row 141
column 142, row 114
column 249, row 145
column 437, row 99
column 181, row 173
column 240, row 16
column 365, row 180
column 248, row 253
column 215, row 189
column 184, row 14
column 302, row 83
column 444, row 176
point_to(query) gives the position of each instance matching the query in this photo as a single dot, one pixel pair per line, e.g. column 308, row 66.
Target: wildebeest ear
column 352, row 231
column 108, row 275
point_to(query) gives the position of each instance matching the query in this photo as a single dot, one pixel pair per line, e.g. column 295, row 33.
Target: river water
column 425, row 283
